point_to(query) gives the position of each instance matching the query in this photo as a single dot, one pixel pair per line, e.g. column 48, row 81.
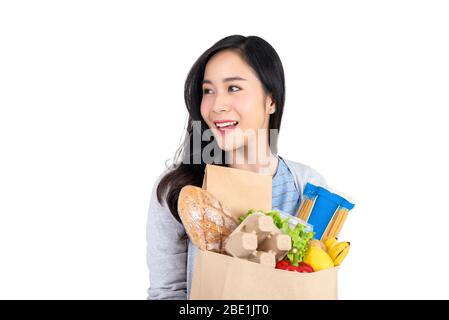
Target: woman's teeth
column 226, row 124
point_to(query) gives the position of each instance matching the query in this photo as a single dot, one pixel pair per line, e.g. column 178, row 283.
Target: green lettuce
column 300, row 237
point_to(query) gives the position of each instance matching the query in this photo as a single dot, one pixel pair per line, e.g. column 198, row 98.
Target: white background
column 91, row 106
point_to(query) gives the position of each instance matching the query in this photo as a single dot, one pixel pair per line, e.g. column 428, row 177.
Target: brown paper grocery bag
column 218, row 276
column 239, row 190
column 221, row 277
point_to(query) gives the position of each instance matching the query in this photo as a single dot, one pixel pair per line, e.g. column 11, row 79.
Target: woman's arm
column 166, row 252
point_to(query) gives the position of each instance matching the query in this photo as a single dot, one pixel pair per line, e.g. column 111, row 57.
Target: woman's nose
column 220, row 105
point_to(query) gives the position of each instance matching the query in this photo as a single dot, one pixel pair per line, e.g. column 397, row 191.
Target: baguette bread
column 206, row 221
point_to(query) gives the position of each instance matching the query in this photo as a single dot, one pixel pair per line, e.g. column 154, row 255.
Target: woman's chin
column 229, row 147
column 229, row 143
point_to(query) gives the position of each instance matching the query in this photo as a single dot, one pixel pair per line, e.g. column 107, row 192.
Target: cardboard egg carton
column 257, row 239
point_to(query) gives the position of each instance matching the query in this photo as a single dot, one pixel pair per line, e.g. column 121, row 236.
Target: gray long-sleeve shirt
column 170, row 258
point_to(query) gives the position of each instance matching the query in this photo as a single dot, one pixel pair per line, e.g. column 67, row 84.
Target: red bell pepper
column 286, row 265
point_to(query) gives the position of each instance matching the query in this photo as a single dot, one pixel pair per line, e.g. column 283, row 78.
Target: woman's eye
column 206, row 91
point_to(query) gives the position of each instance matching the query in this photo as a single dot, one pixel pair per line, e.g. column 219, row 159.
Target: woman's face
column 234, row 101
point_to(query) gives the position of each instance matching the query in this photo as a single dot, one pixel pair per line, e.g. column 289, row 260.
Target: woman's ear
column 270, row 105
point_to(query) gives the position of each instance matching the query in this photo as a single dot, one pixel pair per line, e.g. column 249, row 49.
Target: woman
column 235, row 87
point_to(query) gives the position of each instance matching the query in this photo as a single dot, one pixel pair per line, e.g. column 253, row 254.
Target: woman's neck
column 263, row 162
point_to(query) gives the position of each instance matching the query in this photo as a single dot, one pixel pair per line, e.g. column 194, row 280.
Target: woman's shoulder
column 305, row 173
column 159, row 210
column 161, row 174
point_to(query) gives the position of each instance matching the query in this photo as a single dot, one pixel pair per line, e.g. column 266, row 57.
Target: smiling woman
column 236, row 102
column 234, row 92
column 237, row 79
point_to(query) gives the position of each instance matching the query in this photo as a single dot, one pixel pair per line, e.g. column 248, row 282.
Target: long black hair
column 264, row 60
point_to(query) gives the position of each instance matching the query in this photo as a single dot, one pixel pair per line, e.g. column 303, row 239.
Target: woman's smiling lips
column 225, row 125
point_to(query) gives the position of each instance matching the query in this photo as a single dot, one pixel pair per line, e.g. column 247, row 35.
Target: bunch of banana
column 337, row 250
column 326, row 254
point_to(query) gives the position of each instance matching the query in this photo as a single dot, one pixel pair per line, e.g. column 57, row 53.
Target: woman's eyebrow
column 226, row 79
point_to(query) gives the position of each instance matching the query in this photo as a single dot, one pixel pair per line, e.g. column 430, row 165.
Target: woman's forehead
column 226, row 65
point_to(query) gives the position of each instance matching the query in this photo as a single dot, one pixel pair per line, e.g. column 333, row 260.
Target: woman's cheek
column 247, row 112
column 205, row 110
column 247, row 104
